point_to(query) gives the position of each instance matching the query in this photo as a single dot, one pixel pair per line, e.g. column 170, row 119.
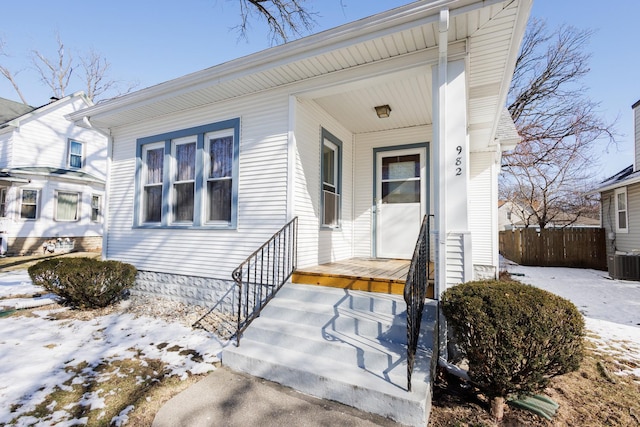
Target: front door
column 401, row 200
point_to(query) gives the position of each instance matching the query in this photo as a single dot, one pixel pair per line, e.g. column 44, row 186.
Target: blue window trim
column 325, row 134
column 166, row 138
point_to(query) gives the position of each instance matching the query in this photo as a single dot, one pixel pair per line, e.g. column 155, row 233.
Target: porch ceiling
column 489, row 30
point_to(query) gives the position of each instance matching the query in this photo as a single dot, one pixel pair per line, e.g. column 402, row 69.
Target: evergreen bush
column 82, row 282
column 514, row 336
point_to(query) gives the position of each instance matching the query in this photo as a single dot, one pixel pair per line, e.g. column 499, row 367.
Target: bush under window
column 82, row 282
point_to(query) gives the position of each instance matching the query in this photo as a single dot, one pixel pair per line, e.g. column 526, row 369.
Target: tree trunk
column 497, row 408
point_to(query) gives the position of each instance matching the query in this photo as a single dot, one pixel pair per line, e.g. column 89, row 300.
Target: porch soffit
column 487, row 31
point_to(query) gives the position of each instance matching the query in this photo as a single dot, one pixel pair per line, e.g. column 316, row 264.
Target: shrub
column 515, row 336
column 84, row 282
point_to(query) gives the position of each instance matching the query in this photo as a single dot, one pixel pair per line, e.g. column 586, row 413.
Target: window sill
column 184, row 227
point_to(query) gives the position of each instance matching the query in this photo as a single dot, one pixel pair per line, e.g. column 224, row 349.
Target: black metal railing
column 415, row 293
column 263, row 273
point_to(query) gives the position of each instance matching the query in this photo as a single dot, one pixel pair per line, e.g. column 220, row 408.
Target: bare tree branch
column 7, row 74
column 285, row 18
column 55, row 72
column 547, row 173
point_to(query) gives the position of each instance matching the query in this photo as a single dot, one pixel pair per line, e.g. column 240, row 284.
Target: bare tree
column 285, row 18
column 548, row 172
column 7, row 74
column 54, row 72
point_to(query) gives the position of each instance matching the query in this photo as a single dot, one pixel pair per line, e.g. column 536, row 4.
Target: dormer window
column 75, row 154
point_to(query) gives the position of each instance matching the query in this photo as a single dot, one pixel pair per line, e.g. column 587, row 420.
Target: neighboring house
column 620, row 213
column 358, row 131
column 52, row 178
column 512, row 216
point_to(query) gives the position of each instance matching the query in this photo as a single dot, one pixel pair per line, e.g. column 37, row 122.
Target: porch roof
column 382, row 59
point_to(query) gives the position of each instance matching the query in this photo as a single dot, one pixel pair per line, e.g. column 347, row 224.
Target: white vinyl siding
column 262, row 192
column 483, row 205
column 44, row 140
column 317, row 245
column 625, row 242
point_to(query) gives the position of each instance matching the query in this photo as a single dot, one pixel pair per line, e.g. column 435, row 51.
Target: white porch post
column 451, row 174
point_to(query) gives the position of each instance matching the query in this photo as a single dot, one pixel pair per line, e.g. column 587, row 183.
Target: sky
column 152, row 41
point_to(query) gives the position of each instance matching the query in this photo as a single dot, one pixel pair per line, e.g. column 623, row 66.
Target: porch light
column 383, row 111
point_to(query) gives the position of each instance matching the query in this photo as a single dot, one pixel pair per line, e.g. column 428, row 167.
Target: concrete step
column 366, row 353
column 324, row 342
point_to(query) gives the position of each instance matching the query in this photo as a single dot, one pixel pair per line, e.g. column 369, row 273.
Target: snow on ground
column 611, row 307
column 592, row 291
column 36, row 352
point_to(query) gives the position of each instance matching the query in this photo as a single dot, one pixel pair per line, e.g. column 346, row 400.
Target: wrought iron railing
column 263, row 273
column 415, row 293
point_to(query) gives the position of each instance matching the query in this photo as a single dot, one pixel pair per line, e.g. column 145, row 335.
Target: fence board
column 563, row 247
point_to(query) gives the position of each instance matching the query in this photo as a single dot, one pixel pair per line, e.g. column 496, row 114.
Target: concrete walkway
column 226, row 398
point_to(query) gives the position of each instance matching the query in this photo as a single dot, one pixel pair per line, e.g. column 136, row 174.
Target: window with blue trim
column 331, row 171
column 189, row 177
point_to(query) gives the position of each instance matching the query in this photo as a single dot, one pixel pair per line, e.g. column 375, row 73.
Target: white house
column 52, row 177
column 295, row 132
column 358, row 132
column 620, row 213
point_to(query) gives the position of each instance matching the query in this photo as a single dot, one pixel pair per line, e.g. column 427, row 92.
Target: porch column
column 453, row 239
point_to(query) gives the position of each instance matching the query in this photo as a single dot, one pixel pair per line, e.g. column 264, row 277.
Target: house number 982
column 459, row 160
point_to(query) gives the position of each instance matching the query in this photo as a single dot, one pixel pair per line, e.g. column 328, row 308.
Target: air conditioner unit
column 626, row 267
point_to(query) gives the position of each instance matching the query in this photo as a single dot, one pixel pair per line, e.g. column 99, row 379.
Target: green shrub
column 515, row 336
column 84, row 282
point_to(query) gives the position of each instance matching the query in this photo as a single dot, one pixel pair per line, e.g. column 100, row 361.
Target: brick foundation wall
column 33, row 245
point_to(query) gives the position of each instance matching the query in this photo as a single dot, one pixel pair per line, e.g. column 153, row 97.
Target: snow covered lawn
column 46, row 353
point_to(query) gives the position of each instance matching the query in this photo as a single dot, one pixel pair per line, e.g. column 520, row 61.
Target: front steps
column 342, row 345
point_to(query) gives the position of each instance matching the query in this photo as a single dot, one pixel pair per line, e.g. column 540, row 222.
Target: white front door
column 401, row 200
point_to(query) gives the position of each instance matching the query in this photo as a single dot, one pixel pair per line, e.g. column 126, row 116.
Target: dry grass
column 587, row 397
column 13, row 263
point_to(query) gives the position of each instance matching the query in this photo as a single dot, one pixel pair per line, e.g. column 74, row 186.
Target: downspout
column 440, row 282
column 105, row 216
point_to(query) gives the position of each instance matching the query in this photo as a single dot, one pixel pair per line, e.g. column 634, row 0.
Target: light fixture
column 383, row 111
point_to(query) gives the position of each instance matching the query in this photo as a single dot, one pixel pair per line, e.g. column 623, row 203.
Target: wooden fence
column 565, row 247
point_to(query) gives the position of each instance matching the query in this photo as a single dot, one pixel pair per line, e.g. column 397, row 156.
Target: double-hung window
column 331, row 174
column 3, row 202
column 29, row 204
column 67, row 206
column 184, row 175
column 189, row 177
column 75, row 154
column 622, row 225
column 153, row 156
column 96, row 207
column 219, row 176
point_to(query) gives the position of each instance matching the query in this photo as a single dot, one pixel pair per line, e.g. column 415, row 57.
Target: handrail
column 264, row 272
column 415, row 293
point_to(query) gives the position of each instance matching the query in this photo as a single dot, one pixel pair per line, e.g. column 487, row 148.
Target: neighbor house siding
column 636, row 127
column 482, row 205
column 261, row 198
column 315, row 244
column 363, row 201
column 625, row 242
column 44, row 137
column 6, row 150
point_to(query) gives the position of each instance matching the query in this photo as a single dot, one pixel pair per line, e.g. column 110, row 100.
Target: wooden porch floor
column 363, row 274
